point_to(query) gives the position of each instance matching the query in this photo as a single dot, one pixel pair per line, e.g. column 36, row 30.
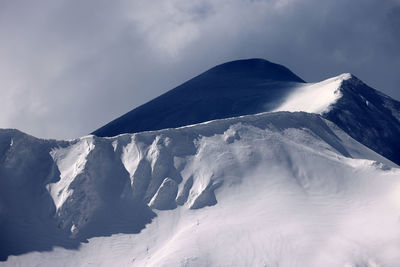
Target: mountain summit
column 232, row 89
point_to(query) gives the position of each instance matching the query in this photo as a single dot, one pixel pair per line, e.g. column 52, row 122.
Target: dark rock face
column 370, row 117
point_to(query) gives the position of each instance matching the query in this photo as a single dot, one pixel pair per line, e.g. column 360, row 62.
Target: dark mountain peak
column 351, row 79
column 231, row 89
column 253, row 68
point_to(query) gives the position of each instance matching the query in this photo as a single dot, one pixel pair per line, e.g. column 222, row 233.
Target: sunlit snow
column 314, row 97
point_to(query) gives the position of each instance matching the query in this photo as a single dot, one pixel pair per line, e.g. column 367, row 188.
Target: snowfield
column 272, row 189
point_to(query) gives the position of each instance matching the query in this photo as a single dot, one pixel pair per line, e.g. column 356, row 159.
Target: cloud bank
column 68, row 67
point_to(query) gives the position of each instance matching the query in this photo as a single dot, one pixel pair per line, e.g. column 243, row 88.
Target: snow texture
column 272, row 189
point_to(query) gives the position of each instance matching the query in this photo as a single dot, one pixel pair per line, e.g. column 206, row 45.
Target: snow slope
column 272, row 189
column 314, row 97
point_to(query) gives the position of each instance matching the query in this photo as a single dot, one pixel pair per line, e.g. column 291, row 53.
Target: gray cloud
column 68, row 67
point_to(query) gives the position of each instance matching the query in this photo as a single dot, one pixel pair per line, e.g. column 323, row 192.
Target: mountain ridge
column 252, row 86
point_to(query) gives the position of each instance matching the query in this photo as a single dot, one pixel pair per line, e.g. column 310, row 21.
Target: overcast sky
column 68, row 67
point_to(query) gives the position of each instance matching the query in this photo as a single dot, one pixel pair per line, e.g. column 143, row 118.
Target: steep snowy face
column 275, row 186
column 71, row 162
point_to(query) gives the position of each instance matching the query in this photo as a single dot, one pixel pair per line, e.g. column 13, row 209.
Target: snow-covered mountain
column 276, row 188
column 290, row 189
column 255, row 85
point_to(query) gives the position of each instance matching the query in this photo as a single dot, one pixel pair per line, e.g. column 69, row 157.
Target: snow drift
column 272, row 189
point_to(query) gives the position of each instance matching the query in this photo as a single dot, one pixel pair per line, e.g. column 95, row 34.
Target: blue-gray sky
column 68, row 67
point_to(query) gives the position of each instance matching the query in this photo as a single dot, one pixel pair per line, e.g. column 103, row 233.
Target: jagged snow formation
column 315, row 97
column 70, row 162
column 273, row 189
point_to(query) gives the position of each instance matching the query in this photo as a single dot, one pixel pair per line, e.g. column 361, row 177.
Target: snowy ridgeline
column 364, row 113
column 275, row 188
column 252, row 86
